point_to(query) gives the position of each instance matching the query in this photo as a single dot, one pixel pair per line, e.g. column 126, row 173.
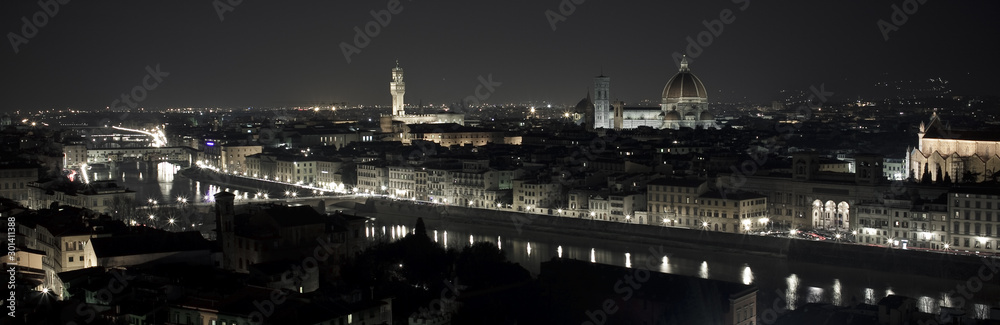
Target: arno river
column 782, row 283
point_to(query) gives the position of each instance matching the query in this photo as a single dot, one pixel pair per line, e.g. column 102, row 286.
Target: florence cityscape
column 232, row 162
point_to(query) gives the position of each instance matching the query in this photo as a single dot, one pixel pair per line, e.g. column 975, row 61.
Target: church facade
column 944, row 154
column 684, row 104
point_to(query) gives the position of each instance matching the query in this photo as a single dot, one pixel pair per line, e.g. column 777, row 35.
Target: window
column 70, row 258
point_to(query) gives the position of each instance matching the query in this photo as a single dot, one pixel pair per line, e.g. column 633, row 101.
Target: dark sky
column 277, row 53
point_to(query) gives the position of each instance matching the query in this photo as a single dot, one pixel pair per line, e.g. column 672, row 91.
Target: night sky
column 284, row 53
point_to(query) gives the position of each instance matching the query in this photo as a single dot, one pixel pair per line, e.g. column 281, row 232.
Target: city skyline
column 222, row 55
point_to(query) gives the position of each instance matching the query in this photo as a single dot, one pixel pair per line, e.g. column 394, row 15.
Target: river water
column 781, row 283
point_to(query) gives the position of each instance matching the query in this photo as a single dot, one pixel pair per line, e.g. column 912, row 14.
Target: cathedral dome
column 706, row 115
column 672, row 116
column 684, row 84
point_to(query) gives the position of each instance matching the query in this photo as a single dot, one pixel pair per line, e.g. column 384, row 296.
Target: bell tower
column 397, row 88
column 602, row 104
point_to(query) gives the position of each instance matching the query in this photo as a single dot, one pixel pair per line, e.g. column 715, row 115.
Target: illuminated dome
column 672, row 116
column 684, row 85
column 705, row 115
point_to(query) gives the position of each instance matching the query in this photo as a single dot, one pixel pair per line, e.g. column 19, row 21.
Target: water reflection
column 792, row 294
column 774, row 279
column 815, row 295
column 746, row 275
column 926, row 304
column 665, row 265
column 870, row 296
column 980, row 311
column 837, row 294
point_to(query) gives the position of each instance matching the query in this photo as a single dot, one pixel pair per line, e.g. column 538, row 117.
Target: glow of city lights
column 628, row 260
column 593, row 256
column 559, row 251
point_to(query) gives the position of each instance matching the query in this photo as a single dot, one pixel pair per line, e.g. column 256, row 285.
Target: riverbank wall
column 861, row 257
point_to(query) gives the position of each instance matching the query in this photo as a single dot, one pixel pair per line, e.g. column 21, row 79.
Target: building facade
column 956, row 155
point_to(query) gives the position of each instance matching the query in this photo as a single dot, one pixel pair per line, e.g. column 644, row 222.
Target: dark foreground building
column 580, row 292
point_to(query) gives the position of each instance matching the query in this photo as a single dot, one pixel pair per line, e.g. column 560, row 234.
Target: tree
column 939, row 177
column 970, row 177
column 420, row 229
column 925, row 178
column 947, row 178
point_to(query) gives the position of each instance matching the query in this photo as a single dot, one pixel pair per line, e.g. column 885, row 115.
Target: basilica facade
column 684, row 104
column 944, row 154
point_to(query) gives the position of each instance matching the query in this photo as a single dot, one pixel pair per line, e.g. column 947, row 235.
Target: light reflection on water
column 792, row 293
column 792, row 290
column 815, row 295
column 837, row 294
column 767, row 274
